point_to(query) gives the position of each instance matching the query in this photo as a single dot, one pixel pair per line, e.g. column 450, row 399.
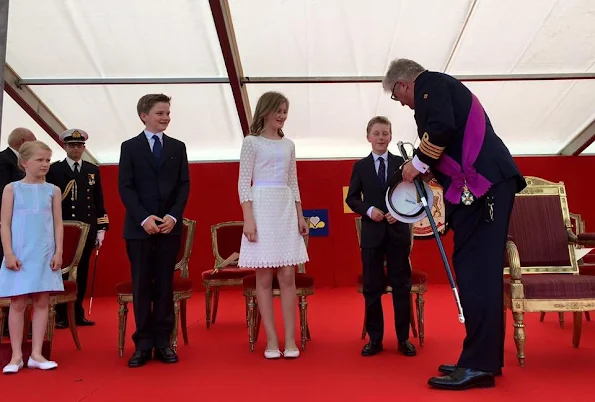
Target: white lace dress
column 270, row 166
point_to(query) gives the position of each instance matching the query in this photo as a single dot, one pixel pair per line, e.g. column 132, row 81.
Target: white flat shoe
column 272, row 354
column 12, row 368
column 291, row 353
column 49, row 365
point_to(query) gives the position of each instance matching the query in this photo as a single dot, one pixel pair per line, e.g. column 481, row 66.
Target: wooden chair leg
column 251, row 322
column 215, row 305
column 122, row 316
column 541, row 316
column 588, row 316
column 27, row 322
column 577, row 326
column 420, row 302
column 208, row 299
column 183, row 321
column 561, row 319
column 174, row 332
column 519, row 336
column 303, row 321
column 412, row 316
column 72, row 324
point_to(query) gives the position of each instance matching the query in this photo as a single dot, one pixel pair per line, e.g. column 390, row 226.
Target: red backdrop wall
column 334, row 260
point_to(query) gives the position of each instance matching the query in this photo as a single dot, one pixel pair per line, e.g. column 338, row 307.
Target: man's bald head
column 19, row 136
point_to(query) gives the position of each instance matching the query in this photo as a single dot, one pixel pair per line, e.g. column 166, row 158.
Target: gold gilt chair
column 226, row 238
column 75, row 236
column 182, row 290
column 418, row 286
column 578, row 225
column 541, row 261
column 304, row 284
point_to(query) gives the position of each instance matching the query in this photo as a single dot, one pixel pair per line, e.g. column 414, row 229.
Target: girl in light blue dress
column 32, row 233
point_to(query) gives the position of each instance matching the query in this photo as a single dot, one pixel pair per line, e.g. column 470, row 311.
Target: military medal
column 467, row 197
column 91, row 177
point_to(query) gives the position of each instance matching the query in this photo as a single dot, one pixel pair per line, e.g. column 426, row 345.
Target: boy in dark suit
column 154, row 185
column 382, row 236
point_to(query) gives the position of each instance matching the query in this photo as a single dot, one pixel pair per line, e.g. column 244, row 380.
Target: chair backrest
column 186, row 243
column 75, row 237
column 539, row 227
column 226, row 238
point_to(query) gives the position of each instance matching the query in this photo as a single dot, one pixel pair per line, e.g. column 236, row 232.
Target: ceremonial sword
column 93, row 281
column 424, row 201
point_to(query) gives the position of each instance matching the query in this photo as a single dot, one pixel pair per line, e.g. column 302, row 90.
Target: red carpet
column 218, row 366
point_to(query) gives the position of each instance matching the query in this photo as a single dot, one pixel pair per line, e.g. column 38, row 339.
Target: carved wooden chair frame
column 515, row 301
column 417, row 289
column 180, row 297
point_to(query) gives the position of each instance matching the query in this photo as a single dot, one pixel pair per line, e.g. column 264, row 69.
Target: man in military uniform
column 82, row 200
column 480, row 179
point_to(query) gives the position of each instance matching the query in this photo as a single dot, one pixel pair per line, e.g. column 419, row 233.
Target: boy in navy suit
column 154, row 186
column 382, row 236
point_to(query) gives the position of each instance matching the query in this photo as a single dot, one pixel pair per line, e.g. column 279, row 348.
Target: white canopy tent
column 531, row 63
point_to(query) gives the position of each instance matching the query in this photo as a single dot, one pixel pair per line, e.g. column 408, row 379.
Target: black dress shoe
column 61, row 324
column 83, row 322
column 166, row 355
column 450, row 368
column 461, row 379
column 407, row 348
column 139, row 358
column 371, row 348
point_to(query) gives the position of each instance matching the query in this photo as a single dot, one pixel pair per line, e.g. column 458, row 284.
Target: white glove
column 100, row 237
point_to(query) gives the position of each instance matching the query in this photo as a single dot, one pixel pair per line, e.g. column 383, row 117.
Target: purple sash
column 467, row 175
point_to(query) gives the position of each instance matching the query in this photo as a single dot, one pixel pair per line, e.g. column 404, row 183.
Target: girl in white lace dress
column 274, row 225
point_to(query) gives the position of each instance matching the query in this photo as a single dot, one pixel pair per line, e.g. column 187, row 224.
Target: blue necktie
column 157, row 147
column 382, row 172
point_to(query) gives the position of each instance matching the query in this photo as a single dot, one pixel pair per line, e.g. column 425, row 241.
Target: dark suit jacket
column 442, row 105
column 365, row 191
column 87, row 205
column 9, row 169
column 148, row 187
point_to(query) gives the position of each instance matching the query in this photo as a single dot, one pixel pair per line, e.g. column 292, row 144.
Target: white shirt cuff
column 419, row 165
column 369, row 212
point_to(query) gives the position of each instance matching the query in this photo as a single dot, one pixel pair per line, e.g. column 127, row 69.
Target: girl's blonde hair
column 268, row 103
column 28, row 149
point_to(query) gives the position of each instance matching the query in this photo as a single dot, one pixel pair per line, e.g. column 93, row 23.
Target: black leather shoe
column 462, row 379
column 61, row 324
column 371, row 348
column 166, row 355
column 83, row 322
column 139, row 358
column 450, row 368
column 407, row 348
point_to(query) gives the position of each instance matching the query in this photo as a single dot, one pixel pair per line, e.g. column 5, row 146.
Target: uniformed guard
column 82, row 200
column 480, row 178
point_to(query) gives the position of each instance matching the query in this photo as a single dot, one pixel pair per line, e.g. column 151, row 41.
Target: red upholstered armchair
column 419, row 281
column 226, row 238
column 75, row 236
column 182, row 290
column 541, row 261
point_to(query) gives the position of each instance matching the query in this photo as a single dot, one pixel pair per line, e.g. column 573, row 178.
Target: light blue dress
column 33, row 242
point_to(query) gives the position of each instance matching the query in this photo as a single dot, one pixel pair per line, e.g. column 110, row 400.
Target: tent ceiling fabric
column 280, row 38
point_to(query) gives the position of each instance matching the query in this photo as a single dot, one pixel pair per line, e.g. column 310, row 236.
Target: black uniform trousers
column 152, row 262
column 82, row 278
column 398, row 273
column 478, row 259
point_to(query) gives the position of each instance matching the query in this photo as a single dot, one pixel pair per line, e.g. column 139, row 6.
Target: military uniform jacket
column 442, row 107
column 82, row 195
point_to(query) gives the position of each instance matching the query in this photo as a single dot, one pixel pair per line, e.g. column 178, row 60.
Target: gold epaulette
column 104, row 220
column 69, row 188
column 429, row 149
